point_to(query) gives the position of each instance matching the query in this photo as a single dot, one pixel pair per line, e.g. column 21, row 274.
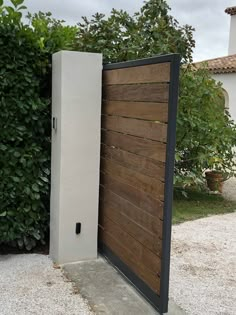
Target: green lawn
column 198, row 205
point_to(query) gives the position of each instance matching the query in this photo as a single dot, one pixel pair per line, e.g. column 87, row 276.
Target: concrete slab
column 108, row 292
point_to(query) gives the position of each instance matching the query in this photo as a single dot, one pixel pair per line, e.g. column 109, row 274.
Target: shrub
column 206, row 134
column 25, row 71
column 149, row 32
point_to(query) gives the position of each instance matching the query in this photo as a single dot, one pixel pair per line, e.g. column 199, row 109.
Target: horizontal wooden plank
column 140, row 217
column 130, row 215
column 147, row 239
column 118, row 249
column 136, row 162
column 155, row 92
column 144, row 147
column 151, row 260
column 141, row 110
column 139, row 198
column 140, row 74
column 136, row 127
column 135, row 256
column 135, row 179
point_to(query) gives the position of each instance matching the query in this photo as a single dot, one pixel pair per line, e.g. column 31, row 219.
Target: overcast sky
column 206, row 16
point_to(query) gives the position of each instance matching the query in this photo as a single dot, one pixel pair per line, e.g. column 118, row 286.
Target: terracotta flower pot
column 214, row 180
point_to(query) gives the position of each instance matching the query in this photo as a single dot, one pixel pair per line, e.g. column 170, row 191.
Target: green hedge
column 205, row 135
column 25, row 110
column 24, row 140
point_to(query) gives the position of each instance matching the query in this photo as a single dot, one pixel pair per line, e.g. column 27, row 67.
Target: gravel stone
column 203, row 265
column 30, row 285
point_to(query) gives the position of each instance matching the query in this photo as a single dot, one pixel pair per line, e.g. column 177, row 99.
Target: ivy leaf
column 37, row 235
column 35, row 187
column 16, row 179
column 18, row 2
column 10, row 10
column 46, row 171
column 22, row 7
column 44, row 179
column 20, row 243
column 28, row 246
column 2, row 146
column 27, row 190
column 17, row 154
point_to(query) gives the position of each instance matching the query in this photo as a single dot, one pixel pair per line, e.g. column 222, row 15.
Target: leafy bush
column 149, row 32
column 206, row 133
column 25, row 72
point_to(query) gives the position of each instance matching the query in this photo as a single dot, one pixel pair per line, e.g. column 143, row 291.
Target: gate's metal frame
column 160, row 303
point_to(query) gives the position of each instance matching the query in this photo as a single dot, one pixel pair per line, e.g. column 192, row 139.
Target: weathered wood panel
column 141, row 74
column 141, row 110
column 134, row 170
column 144, row 237
column 143, row 147
column 139, row 216
column 135, row 162
column 136, row 127
column 153, row 262
column 155, row 92
column 138, row 198
column 135, row 179
column 135, row 255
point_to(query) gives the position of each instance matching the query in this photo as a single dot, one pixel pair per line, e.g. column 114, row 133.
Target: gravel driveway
column 203, row 275
column 203, row 266
column 30, row 285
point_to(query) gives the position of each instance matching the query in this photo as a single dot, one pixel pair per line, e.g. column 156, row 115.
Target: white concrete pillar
column 76, row 106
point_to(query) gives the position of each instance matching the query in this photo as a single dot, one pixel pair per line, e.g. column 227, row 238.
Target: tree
column 153, row 31
column 122, row 37
column 206, row 133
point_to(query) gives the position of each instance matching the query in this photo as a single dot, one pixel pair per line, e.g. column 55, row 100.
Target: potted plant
column 214, row 175
column 219, row 168
column 214, row 180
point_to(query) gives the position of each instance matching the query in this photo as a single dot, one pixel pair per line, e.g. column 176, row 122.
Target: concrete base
column 107, row 292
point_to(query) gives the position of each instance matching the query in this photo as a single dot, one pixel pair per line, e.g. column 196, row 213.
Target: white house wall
column 229, row 84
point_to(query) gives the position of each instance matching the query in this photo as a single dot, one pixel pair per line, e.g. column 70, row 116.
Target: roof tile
column 231, row 11
column 225, row 64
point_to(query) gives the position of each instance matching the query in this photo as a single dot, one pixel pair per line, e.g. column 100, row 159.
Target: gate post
column 76, row 112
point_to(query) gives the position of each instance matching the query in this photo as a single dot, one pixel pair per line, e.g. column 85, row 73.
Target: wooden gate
column 137, row 165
